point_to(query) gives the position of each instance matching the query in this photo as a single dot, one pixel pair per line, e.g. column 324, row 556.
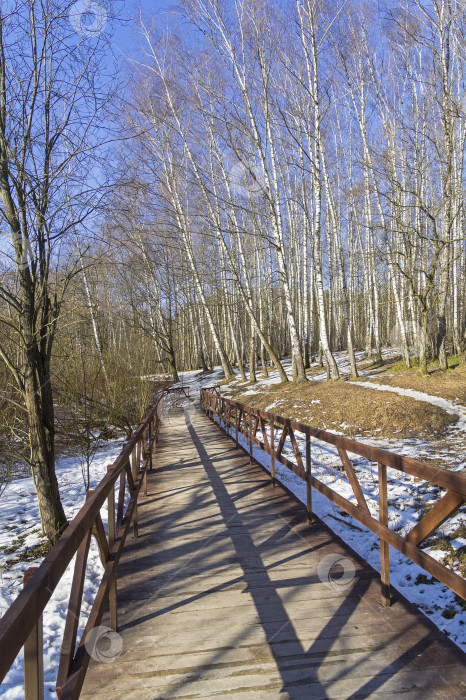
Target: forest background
column 219, row 183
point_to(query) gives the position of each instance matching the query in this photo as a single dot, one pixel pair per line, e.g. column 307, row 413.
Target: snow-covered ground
column 445, row 405
column 196, row 380
column 340, row 357
column 20, row 531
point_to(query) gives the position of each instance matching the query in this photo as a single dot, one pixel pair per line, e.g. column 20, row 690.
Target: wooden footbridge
column 226, row 585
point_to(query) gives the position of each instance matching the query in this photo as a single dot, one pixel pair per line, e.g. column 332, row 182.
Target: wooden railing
column 179, row 390
column 22, row 623
column 212, row 390
column 235, row 418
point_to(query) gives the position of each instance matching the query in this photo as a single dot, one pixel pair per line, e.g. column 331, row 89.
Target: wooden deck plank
column 220, row 595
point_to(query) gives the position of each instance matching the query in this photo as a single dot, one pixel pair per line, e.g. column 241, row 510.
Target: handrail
column 233, row 415
column 215, row 389
column 21, row 621
column 180, row 389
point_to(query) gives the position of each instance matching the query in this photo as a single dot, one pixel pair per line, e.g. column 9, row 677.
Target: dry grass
column 450, row 385
column 349, row 409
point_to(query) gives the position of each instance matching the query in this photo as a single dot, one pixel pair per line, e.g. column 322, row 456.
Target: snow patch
column 419, row 396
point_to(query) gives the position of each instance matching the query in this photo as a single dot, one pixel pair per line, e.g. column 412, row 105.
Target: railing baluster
column 250, row 438
column 149, row 439
column 435, row 517
column 154, row 439
column 105, row 549
column 74, row 610
column 145, row 457
column 111, row 512
column 384, row 551
column 353, row 479
column 121, row 498
column 310, row 518
column 113, row 604
column 135, row 470
column 34, row 654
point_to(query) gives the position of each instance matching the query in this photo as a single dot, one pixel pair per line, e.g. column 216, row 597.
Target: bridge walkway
column 220, row 596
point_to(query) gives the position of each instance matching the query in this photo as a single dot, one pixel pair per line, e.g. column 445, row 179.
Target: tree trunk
column 252, row 359
column 423, row 343
column 39, row 406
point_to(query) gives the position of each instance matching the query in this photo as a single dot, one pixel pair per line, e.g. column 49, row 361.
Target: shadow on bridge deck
column 219, row 596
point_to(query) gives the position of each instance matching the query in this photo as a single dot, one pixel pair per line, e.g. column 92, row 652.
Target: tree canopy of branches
column 288, row 182
column 305, row 162
column 53, row 100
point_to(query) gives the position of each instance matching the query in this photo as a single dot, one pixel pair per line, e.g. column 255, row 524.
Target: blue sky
column 123, row 39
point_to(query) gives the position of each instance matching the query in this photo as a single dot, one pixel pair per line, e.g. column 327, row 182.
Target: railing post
column 149, row 438
column 112, row 600
column 135, row 476
column 308, row 480
column 384, row 551
column 112, row 595
column 138, row 456
column 250, row 438
column 144, row 458
column 33, row 654
column 111, row 513
column 272, row 451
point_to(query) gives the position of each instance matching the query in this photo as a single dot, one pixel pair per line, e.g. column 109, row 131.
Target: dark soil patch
column 450, row 385
column 350, row 409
